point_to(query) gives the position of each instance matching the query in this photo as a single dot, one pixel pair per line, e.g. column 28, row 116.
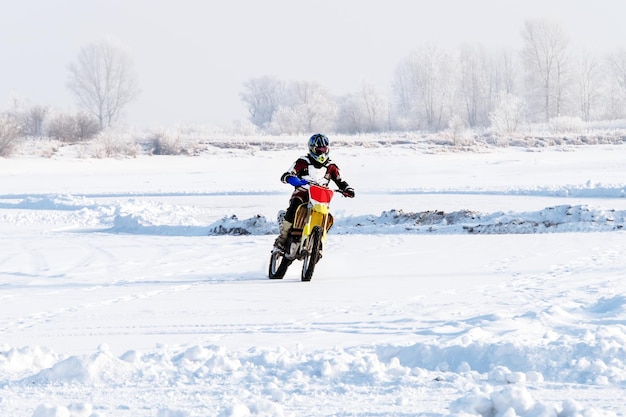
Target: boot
column 285, row 227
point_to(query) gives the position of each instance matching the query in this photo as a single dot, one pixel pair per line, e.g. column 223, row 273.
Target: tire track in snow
column 43, row 317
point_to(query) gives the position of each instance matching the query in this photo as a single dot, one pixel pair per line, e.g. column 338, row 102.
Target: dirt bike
column 307, row 236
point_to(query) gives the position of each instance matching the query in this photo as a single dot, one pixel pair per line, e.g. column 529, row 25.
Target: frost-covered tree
column 34, row 119
column 588, row 85
column 617, row 66
column 103, row 80
column 71, row 128
column 504, row 78
column 616, row 96
column 263, row 96
column 422, row 88
column 362, row 111
column 503, row 68
column 287, row 120
column 30, row 117
column 473, row 85
column 545, row 56
column 9, row 134
column 402, row 98
column 509, row 114
column 306, row 107
column 315, row 104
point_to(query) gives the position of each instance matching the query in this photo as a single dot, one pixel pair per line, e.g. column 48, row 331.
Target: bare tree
column 423, row 86
column 617, row 65
column 103, row 80
column 588, row 84
column 72, row 128
column 363, row 111
column 509, row 114
column 402, row 100
column 545, row 57
column 614, row 101
column 374, row 106
column 504, row 76
column 473, row 89
column 30, row 117
column 314, row 104
column 9, row 134
column 263, row 96
column 34, row 120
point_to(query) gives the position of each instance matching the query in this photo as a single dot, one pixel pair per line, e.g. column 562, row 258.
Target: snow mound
column 500, row 373
column 564, row 218
column 257, row 225
column 25, row 359
column 100, row 367
column 515, row 401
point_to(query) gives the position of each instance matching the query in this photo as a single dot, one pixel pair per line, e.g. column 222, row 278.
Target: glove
column 296, row 182
column 348, row 192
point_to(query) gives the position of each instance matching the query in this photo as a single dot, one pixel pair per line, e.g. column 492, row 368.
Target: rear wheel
column 313, row 253
column 278, row 265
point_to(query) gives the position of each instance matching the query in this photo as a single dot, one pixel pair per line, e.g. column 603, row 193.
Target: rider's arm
column 299, row 169
column 333, row 172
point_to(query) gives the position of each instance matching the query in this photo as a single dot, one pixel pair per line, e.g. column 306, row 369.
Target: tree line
column 103, row 81
column 433, row 89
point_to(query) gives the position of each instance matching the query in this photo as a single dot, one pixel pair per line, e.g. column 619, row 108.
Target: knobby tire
column 312, row 257
column 278, row 272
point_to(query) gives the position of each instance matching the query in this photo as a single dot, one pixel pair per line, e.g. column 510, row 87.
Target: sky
column 192, row 57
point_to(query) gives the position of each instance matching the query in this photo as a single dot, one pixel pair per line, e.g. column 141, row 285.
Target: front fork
column 305, row 220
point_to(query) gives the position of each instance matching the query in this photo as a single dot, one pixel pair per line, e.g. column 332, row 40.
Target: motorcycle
column 308, row 234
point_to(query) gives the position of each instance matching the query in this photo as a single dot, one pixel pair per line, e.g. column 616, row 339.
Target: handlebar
column 336, row 190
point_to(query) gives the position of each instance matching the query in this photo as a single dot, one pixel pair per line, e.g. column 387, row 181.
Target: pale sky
column 193, row 56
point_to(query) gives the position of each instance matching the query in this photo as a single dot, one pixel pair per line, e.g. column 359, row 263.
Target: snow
column 459, row 283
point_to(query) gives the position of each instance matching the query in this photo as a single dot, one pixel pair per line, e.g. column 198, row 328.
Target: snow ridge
column 213, row 369
column 137, row 216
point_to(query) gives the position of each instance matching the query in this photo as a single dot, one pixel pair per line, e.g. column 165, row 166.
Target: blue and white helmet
column 319, row 147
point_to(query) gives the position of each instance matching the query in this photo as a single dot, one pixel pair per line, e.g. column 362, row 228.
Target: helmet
column 318, row 147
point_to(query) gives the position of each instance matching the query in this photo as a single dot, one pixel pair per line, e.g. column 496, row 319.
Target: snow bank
column 137, row 216
column 502, row 375
column 565, row 218
column 101, row 367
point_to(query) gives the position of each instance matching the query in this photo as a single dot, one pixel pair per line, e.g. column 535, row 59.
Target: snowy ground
column 484, row 283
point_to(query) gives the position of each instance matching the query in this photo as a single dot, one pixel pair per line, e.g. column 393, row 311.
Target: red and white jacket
column 309, row 169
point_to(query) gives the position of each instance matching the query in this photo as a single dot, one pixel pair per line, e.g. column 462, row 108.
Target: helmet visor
column 319, row 150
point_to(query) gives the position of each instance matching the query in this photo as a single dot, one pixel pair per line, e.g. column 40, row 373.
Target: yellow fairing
column 320, row 208
column 317, row 218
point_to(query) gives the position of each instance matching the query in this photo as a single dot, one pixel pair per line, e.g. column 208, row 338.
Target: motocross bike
column 307, row 236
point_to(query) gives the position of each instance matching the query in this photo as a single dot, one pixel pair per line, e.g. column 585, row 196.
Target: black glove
column 348, row 192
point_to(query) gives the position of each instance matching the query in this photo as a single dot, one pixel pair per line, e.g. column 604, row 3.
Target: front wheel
column 313, row 253
column 278, row 265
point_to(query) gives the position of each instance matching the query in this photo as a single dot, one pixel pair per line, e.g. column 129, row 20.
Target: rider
column 314, row 166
